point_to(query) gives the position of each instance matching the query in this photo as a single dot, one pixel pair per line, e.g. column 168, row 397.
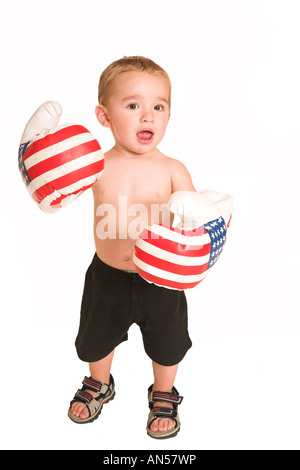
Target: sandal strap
column 88, row 383
column 83, row 395
column 161, row 412
column 174, row 398
column 94, row 385
column 164, row 412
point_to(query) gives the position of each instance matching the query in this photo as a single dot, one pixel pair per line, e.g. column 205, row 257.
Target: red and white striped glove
column 57, row 163
column 181, row 256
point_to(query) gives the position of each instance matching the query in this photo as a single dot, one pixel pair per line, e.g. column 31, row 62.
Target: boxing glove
column 57, row 163
column 192, row 209
column 181, row 256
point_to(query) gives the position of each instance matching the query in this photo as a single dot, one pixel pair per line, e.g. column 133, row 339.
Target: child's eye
column 133, row 106
column 158, row 107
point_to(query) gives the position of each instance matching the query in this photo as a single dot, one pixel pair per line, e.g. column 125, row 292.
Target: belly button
column 126, row 258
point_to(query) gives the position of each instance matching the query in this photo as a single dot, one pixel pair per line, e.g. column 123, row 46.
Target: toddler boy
column 134, row 103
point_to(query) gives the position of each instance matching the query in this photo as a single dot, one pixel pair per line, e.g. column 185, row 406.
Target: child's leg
column 100, row 371
column 164, row 378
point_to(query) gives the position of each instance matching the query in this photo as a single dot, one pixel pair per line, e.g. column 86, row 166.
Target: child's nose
column 147, row 115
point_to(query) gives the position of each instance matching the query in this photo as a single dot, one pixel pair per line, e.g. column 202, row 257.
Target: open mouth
column 145, row 136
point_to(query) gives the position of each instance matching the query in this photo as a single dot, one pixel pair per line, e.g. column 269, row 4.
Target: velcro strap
column 84, row 396
column 164, row 412
column 167, row 397
column 94, row 385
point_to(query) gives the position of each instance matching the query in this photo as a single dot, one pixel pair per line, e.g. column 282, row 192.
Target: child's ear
column 101, row 115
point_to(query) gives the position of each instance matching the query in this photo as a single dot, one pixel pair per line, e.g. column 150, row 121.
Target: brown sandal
column 94, row 405
column 162, row 412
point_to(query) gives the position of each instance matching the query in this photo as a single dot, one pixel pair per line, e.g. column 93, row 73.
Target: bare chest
column 138, row 182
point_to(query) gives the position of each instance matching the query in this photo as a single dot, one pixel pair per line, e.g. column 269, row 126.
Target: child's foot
column 79, row 409
column 163, row 419
column 87, row 403
column 162, row 424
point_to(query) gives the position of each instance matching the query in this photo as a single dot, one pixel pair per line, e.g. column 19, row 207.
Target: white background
column 235, row 123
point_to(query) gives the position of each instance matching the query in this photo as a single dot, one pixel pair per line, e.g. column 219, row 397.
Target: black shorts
column 114, row 299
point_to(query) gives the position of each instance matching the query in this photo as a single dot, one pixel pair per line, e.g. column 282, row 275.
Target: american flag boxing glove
column 57, row 163
column 181, row 256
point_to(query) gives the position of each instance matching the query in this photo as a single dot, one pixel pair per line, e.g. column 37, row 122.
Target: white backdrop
column 235, row 124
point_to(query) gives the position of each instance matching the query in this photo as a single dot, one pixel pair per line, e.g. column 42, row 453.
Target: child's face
column 137, row 111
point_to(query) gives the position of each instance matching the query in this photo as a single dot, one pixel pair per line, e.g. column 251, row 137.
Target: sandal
column 94, row 405
column 162, row 412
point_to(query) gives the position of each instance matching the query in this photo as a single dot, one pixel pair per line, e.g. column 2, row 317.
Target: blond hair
column 128, row 64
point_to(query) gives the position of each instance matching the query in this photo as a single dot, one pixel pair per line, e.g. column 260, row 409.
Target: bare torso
column 131, row 189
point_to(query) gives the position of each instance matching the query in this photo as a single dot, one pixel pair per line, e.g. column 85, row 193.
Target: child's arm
column 180, row 177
